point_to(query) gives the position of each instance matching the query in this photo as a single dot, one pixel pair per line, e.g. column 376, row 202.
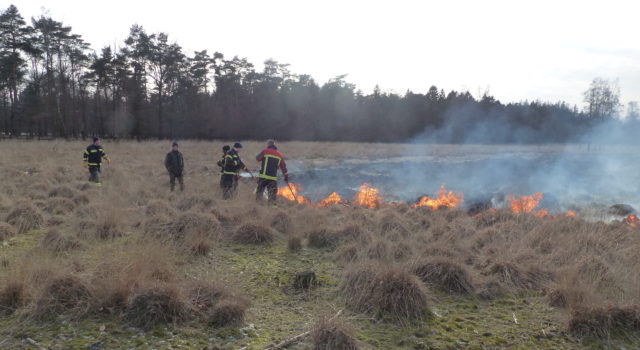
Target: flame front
column 571, row 214
column 292, row 193
column 368, row 196
column 632, row 220
column 445, row 200
column 524, row 204
column 332, row 199
column 542, row 213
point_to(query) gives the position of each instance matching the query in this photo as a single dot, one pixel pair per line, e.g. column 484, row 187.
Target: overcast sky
column 547, row 50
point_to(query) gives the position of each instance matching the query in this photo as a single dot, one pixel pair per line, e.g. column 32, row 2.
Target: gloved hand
column 86, row 166
column 108, row 160
column 286, row 177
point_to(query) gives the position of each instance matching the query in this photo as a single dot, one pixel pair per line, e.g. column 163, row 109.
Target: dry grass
column 333, row 334
column 586, row 269
column 6, row 231
column 156, row 305
column 253, row 233
column 385, row 291
column 445, row 274
column 25, row 217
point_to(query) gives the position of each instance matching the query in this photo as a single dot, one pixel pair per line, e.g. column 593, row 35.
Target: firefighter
column 231, row 168
column 93, row 158
column 271, row 160
column 220, row 163
column 174, row 162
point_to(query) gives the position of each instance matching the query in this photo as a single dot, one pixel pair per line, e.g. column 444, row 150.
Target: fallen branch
column 297, row 338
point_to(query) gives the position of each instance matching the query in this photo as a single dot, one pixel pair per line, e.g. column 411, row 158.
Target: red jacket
column 271, row 160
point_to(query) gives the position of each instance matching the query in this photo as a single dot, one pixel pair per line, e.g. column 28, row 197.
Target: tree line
column 52, row 84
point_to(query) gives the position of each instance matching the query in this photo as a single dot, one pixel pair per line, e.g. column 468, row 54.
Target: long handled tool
column 293, row 193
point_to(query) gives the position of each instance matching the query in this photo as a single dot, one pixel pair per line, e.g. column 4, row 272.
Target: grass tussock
column 13, row 295
column 63, row 293
column 333, row 334
column 323, row 238
column 282, row 222
column 25, row 217
column 294, row 243
column 157, row 305
column 60, row 206
column 184, row 225
column 60, row 243
column 62, row 191
column 385, row 291
column 6, row 231
column 444, row 274
column 253, row 234
column 602, row 321
column 227, row 313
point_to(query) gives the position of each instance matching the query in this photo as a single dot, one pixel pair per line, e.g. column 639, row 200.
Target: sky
column 517, row 50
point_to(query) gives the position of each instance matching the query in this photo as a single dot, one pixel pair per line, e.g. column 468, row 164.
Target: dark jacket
column 93, row 155
column 232, row 163
column 174, row 163
column 271, row 160
column 221, row 162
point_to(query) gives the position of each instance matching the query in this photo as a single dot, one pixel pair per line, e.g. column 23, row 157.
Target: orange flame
column 368, row 196
column 332, row 199
column 542, row 213
column 524, row 204
column 293, row 193
column 445, row 200
column 632, row 220
column 571, row 214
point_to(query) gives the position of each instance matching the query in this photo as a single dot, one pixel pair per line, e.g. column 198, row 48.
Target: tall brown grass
column 136, row 240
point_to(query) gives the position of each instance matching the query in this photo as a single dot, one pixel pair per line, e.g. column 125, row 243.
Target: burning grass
column 103, row 258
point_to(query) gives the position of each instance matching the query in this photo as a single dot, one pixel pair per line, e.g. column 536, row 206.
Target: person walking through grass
column 174, row 162
column 93, row 156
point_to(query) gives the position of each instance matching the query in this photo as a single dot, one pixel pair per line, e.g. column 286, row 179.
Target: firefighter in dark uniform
column 230, row 170
column 174, row 162
column 93, row 158
column 220, row 163
column 271, row 160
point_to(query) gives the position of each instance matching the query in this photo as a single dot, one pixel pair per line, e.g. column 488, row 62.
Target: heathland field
column 132, row 265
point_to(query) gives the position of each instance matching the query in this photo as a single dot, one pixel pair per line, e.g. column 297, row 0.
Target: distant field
column 131, row 265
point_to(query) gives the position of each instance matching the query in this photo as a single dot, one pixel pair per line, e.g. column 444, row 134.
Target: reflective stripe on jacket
column 271, row 160
column 93, row 155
